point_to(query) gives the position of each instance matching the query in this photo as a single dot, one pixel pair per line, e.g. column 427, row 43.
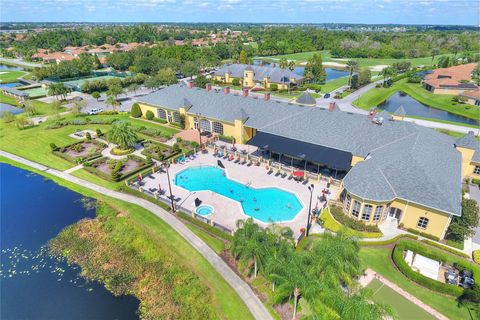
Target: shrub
column 159, row 120
column 476, row 181
column 120, row 152
column 53, row 146
column 235, row 82
column 217, row 232
column 227, row 139
column 179, row 140
column 149, row 115
column 476, row 256
column 273, row 87
column 136, row 112
column 88, row 136
column 338, row 214
column 458, row 245
column 423, row 234
column 8, row 116
column 176, row 124
column 176, row 147
column 99, row 132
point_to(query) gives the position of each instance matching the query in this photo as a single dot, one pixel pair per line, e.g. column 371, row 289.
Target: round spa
column 204, row 210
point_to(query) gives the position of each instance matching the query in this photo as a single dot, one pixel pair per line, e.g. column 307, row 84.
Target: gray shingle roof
column 307, row 99
column 422, row 167
column 274, row 74
column 15, row 92
column 404, row 160
column 468, row 141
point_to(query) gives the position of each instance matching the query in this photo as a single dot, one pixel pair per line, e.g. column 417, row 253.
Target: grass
column 333, row 225
column 34, row 143
column 379, row 260
column 213, row 242
column 334, row 84
column 226, row 302
column 403, row 307
column 299, row 57
column 9, row 76
column 42, row 108
column 376, row 96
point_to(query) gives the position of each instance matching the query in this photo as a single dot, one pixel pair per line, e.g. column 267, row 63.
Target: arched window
column 217, row 127
column 205, row 125
column 356, row 208
column 378, row 213
column 176, row 117
column 422, row 223
column 162, row 114
column 348, row 200
column 367, row 211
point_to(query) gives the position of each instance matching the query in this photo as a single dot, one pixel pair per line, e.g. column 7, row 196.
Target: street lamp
column 166, row 165
column 310, row 188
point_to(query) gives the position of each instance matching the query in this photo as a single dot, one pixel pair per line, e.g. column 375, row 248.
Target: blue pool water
column 266, row 204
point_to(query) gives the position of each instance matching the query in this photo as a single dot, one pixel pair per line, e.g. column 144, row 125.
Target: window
column 162, row 114
column 422, row 223
column 217, row 127
column 176, row 117
column 476, row 170
column 356, row 208
column 367, row 211
column 205, row 125
column 170, row 117
column 348, row 200
column 378, row 213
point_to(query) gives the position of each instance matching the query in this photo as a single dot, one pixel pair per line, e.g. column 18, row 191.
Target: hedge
column 387, row 242
column 458, row 245
column 476, row 256
column 142, row 195
column 205, row 226
column 441, row 246
column 77, row 160
column 79, row 122
column 423, row 234
column 354, row 224
column 227, row 139
column 435, row 254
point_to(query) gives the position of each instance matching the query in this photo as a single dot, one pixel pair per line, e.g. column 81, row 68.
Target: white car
column 95, row 111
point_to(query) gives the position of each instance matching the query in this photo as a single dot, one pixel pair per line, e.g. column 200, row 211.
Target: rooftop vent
column 378, row 120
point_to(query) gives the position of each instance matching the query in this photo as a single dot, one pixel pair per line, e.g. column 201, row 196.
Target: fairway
column 78, row 83
column 405, row 309
column 7, row 76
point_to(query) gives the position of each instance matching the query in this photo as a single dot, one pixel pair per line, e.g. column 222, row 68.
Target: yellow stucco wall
column 447, row 91
column 411, row 213
column 397, row 118
column 438, row 221
column 467, row 165
column 146, row 108
column 356, row 159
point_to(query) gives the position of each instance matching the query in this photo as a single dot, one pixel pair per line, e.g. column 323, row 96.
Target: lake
column 414, row 108
column 332, row 74
column 11, row 68
column 35, row 285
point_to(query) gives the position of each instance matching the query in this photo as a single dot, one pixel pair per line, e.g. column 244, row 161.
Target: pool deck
column 228, row 211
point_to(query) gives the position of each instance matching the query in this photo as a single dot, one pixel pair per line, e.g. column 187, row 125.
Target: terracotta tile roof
column 451, row 77
column 474, row 94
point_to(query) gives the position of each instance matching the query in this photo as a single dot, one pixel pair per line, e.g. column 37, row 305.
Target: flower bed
column 435, row 254
column 157, row 134
column 80, row 152
column 79, row 122
column 117, row 170
column 158, row 151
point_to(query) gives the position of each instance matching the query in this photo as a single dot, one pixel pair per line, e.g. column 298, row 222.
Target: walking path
column 254, row 304
column 370, row 275
column 80, row 166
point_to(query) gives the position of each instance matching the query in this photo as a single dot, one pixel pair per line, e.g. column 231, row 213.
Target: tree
column 122, row 135
column 58, row 90
column 152, row 83
column 354, row 82
column 113, row 102
column 434, row 53
column 136, row 111
column 291, row 65
column 78, row 107
column 283, row 63
column 166, row 76
column 387, row 74
column 133, row 87
column 235, row 82
column 463, row 227
column 201, row 81
column 364, row 76
column 7, row 116
column 352, row 66
column 444, row 62
column 22, row 122
column 243, row 57
column 30, row 108
column 149, row 115
column 96, row 95
column 189, row 69
column 314, row 71
column 56, row 106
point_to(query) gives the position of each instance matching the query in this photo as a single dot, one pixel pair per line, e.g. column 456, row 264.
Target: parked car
column 95, row 111
column 451, row 277
column 326, row 96
column 466, row 279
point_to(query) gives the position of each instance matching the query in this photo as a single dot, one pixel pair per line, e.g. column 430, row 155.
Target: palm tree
column 122, row 135
column 283, row 63
column 352, row 66
column 387, row 74
column 291, row 65
column 112, row 101
column 249, row 244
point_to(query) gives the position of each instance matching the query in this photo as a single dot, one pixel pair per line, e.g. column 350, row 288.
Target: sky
column 460, row 12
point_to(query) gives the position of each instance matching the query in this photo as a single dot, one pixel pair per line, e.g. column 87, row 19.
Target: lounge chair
column 230, row 158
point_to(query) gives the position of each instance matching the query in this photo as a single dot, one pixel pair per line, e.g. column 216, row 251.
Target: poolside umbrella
column 198, row 202
column 298, row 173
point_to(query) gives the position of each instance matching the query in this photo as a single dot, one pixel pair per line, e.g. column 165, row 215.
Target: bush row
column 387, row 242
column 435, row 254
column 79, row 122
column 438, row 245
column 354, row 224
column 205, row 226
column 420, row 233
column 227, row 139
column 476, row 256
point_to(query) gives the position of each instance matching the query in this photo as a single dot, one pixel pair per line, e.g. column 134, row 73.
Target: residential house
column 454, row 80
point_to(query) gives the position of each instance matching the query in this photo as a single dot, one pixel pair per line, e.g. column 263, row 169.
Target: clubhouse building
column 386, row 167
column 250, row 76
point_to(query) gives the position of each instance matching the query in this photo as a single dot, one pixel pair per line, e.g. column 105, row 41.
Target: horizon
column 375, row 12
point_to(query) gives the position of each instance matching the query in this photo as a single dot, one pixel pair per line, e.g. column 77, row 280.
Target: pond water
column 4, row 107
column 10, row 85
column 332, row 74
column 35, row 285
column 12, row 68
column 414, row 108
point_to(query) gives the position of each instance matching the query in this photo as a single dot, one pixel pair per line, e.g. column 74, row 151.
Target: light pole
column 310, row 188
column 166, row 165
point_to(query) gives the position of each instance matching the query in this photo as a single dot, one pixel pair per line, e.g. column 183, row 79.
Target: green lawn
column 8, row 76
column 299, row 57
column 34, row 143
column 405, row 309
column 334, row 84
column 213, row 242
column 226, row 302
column 43, row 108
column 333, row 225
column 376, row 96
column 379, row 260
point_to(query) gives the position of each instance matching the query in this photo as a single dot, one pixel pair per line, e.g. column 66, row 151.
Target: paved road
column 254, row 304
column 21, row 63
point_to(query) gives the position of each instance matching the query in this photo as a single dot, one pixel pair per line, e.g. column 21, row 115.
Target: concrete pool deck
column 228, row 211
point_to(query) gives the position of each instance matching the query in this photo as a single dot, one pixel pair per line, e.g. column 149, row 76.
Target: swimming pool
column 265, row 204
